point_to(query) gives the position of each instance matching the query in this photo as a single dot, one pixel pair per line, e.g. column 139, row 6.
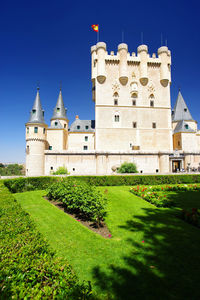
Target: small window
column 51, row 168
column 152, row 103
column 27, row 150
column 33, row 111
column 134, row 124
column 130, row 145
column 44, row 130
column 35, row 129
column 185, row 109
column 115, row 102
column 50, row 147
column 186, row 126
column 116, row 118
column 56, row 123
column 58, row 108
column 65, row 125
column 27, row 130
column 153, row 125
column 43, row 113
column 157, row 170
column 78, row 127
column 85, row 147
column 134, row 102
column 151, row 96
column 73, row 169
column 86, row 138
column 172, row 112
column 86, row 127
column 179, row 143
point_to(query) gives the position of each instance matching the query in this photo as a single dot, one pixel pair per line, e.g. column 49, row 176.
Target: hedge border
column 36, row 183
column 29, row 268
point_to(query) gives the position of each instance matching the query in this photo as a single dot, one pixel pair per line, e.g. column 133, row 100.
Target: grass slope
column 151, row 255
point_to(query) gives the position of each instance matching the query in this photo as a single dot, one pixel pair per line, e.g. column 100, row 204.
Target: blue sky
column 50, row 41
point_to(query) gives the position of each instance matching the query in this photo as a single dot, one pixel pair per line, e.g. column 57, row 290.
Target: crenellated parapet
column 101, row 58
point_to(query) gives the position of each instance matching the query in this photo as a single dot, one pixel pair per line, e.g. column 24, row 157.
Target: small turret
column 164, row 55
column 57, row 133
column 123, row 73
column 101, row 69
column 35, row 139
column 143, row 54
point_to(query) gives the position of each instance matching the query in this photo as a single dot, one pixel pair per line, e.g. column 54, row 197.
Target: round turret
column 123, row 73
column 142, row 51
column 93, row 54
column 101, row 69
column 35, row 140
column 164, row 54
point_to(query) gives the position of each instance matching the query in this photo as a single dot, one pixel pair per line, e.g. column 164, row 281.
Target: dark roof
column 58, row 126
column 59, row 110
column 37, row 113
column 182, row 126
column 181, row 111
column 82, row 126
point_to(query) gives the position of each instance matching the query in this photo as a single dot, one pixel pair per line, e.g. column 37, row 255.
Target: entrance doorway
column 176, row 165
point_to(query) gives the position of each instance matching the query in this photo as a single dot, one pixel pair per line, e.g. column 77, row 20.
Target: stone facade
column 133, row 121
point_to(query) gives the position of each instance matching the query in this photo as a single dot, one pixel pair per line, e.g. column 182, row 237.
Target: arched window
column 134, row 97
column 152, row 96
column 116, row 97
column 116, row 117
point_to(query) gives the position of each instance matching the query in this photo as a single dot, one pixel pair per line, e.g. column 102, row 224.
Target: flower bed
column 152, row 193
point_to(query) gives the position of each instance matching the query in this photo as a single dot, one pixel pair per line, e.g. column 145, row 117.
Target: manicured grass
column 151, row 255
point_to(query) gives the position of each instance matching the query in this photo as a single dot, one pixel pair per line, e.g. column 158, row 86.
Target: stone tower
column 132, row 99
column 35, row 139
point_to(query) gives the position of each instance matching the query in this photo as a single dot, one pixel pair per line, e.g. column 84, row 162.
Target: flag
column 95, row 27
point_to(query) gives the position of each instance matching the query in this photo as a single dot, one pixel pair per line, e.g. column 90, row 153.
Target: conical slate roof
column 59, row 110
column 37, row 113
column 182, row 126
column 181, row 111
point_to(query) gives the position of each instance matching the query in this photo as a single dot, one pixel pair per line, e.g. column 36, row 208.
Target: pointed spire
column 181, row 111
column 37, row 114
column 59, row 110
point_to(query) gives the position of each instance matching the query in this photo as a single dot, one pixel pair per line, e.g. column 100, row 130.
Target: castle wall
column 57, row 138
column 189, row 142
column 77, row 141
column 100, row 163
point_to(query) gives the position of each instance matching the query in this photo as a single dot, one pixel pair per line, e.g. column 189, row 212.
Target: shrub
column 127, row 167
column 79, row 198
column 28, row 267
column 61, row 171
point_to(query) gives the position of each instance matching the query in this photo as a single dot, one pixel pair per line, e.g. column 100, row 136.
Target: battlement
column 123, row 58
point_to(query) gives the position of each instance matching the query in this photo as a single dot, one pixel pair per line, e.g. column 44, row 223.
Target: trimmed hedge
column 22, row 184
column 39, row 183
column 28, row 267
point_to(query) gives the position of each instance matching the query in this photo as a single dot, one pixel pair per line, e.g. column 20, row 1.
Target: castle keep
column 133, row 121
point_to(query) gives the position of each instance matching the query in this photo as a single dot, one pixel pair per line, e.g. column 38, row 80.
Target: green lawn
column 151, row 255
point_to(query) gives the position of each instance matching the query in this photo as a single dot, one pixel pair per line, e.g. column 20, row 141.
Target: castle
column 133, row 121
